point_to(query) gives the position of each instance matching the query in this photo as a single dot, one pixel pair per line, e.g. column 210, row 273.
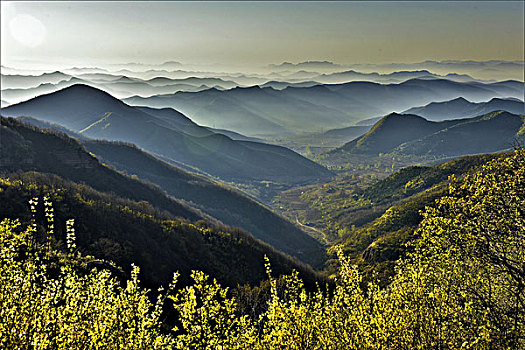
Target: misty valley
column 179, row 191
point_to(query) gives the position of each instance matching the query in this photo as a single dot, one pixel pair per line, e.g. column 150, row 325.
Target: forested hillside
column 411, row 135
column 461, row 286
column 27, row 148
column 372, row 220
column 124, row 231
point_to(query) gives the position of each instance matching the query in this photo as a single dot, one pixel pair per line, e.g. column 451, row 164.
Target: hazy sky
column 243, row 34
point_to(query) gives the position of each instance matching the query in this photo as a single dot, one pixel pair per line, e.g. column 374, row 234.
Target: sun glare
column 27, row 30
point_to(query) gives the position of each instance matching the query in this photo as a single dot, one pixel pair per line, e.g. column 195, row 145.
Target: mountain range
column 490, row 70
column 462, row 108
column 389, row 78
column 314, row 65
column 18, row 81
column 96, row 114
column 18, row 88
column 259, row 111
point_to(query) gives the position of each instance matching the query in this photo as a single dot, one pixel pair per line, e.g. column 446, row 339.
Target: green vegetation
column 27, row 148
column 373, row 220
column 126, row 232
column 461, row 287
column 213, row 198
column 414, row 179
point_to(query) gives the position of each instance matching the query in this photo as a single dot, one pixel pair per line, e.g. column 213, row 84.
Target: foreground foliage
column 461, row 287
column 126, row 232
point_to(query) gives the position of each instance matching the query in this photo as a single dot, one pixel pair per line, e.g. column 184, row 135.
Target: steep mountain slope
column 491, row 132
column 393, row 130
column 27, row 148
column 413, row 135
column 461, row 108
column 96, row 114
column 184, row 124
column 177, row 120
column 127, row 232
column 227, row 205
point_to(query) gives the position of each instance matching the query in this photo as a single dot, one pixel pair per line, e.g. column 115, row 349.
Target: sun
column 27, row 30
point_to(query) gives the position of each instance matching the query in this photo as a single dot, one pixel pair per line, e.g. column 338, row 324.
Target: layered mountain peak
column 96, row 114
column 414, row 135
column 389, row 132
column 398, row 120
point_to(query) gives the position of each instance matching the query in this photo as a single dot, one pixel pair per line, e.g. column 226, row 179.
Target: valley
column 313, row 144
column 262, row 175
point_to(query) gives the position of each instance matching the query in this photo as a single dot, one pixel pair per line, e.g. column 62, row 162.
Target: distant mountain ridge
column 388, row 78
column 293, row 110
column 462, row 108
column 306, row 65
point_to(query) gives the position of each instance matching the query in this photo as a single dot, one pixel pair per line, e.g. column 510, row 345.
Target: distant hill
column 492, row 132
column 15, row 81
column 96, row 114
column 391, row 131
column 319, row 65
column 413, row 135
column 26, row 148
column 461, row 108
